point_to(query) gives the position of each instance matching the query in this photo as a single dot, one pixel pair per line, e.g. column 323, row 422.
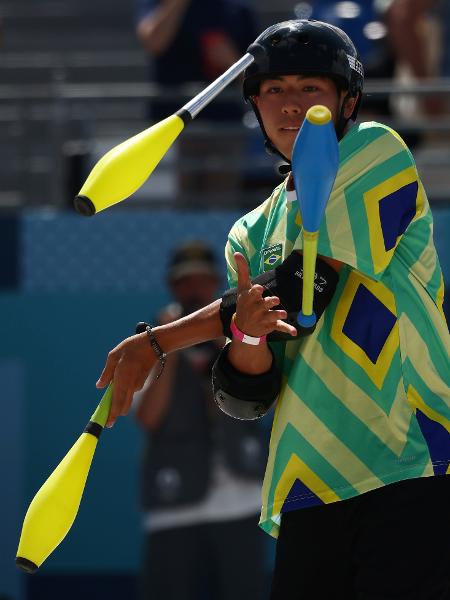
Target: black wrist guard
column 241, row 395
column 286, row 282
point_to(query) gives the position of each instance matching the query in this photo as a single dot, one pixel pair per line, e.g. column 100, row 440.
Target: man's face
column 284, row 101
column 195, row 290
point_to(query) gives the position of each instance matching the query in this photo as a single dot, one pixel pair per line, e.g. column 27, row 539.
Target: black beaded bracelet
column 156, row 349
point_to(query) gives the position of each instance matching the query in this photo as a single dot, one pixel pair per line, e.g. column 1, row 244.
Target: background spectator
column 396, row 39
column 414, row 36
column 201, row 470
column 193, row 42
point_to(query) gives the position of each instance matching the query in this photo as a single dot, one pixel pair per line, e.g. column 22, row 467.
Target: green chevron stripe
column 351, row 143
column 354, row 195
column 415, row 455
column 431, row 399
column 435, row 282
column 358, row 437
column 291, row 438
column 423, row 251
column 421, row 353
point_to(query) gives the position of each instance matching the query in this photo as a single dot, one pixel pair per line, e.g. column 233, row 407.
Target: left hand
column 255, row 315
column 127, row 366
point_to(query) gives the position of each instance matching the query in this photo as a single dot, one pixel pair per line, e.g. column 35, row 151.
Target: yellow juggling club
column 315, row 162
column 55, row 506
column 124, row 169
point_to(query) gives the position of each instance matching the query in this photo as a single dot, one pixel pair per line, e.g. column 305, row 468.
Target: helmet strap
column 270, row 148
column 342, row 120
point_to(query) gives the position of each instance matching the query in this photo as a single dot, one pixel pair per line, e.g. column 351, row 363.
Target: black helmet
column 305, row 46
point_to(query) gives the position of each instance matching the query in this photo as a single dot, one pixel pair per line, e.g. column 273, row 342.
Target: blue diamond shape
column 396, row 212
column 368, row 323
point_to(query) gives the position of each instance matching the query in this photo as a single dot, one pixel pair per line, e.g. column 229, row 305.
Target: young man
column 360, row 444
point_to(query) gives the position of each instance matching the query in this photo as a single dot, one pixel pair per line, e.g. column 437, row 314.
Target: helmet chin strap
column 269, row 146
column 342, row 120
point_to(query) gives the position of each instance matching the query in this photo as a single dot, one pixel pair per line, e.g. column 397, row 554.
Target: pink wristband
column 243, row 337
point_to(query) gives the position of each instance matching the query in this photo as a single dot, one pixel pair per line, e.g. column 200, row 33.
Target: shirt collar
column 289, row 189
column 291, row 195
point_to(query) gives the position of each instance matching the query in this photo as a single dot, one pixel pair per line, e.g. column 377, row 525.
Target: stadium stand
column 73, row 84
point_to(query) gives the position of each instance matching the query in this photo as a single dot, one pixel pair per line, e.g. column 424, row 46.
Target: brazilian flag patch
column 272, row 256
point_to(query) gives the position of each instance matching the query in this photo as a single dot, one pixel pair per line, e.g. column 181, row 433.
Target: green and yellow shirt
column 365, row 399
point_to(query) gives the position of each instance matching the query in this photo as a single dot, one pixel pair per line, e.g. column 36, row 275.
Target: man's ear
column 350, row 106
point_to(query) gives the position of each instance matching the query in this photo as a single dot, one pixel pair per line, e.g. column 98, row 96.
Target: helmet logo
column 355, row 65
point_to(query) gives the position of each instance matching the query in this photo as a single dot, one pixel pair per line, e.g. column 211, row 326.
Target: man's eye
column 310, row 88
column 273, row 90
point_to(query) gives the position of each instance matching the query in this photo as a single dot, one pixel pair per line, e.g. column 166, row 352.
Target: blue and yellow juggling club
column 55, row 506
column 315, row 162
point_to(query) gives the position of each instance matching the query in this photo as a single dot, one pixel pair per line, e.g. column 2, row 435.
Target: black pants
column 389, row 544
column 214, row 561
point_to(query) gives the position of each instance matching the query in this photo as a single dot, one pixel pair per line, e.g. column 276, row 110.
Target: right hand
column 255, row 315
column 127, row 366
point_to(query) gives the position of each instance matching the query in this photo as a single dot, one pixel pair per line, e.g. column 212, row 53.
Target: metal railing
column 50, row 128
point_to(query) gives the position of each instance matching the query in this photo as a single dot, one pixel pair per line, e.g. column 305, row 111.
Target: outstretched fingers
column 108, row 371
column 243, row 273
column 285, row 327
column 274, row 318
column 123, row 390
column 257, row 314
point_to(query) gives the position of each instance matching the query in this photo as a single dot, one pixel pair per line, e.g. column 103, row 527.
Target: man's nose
column 292, row 107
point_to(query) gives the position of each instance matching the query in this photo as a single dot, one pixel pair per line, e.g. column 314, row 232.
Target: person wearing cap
column 201, row 472
column 356, row 488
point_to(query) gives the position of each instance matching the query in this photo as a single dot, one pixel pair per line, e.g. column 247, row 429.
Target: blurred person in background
column 201, row 470
column 415, row 35
column 445, row 20
column 363, row 21
column 396, row 39
column 192, row 42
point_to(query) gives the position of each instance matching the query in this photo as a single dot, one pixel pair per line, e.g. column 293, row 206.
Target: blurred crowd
column 187, row 44
column 402, row 41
